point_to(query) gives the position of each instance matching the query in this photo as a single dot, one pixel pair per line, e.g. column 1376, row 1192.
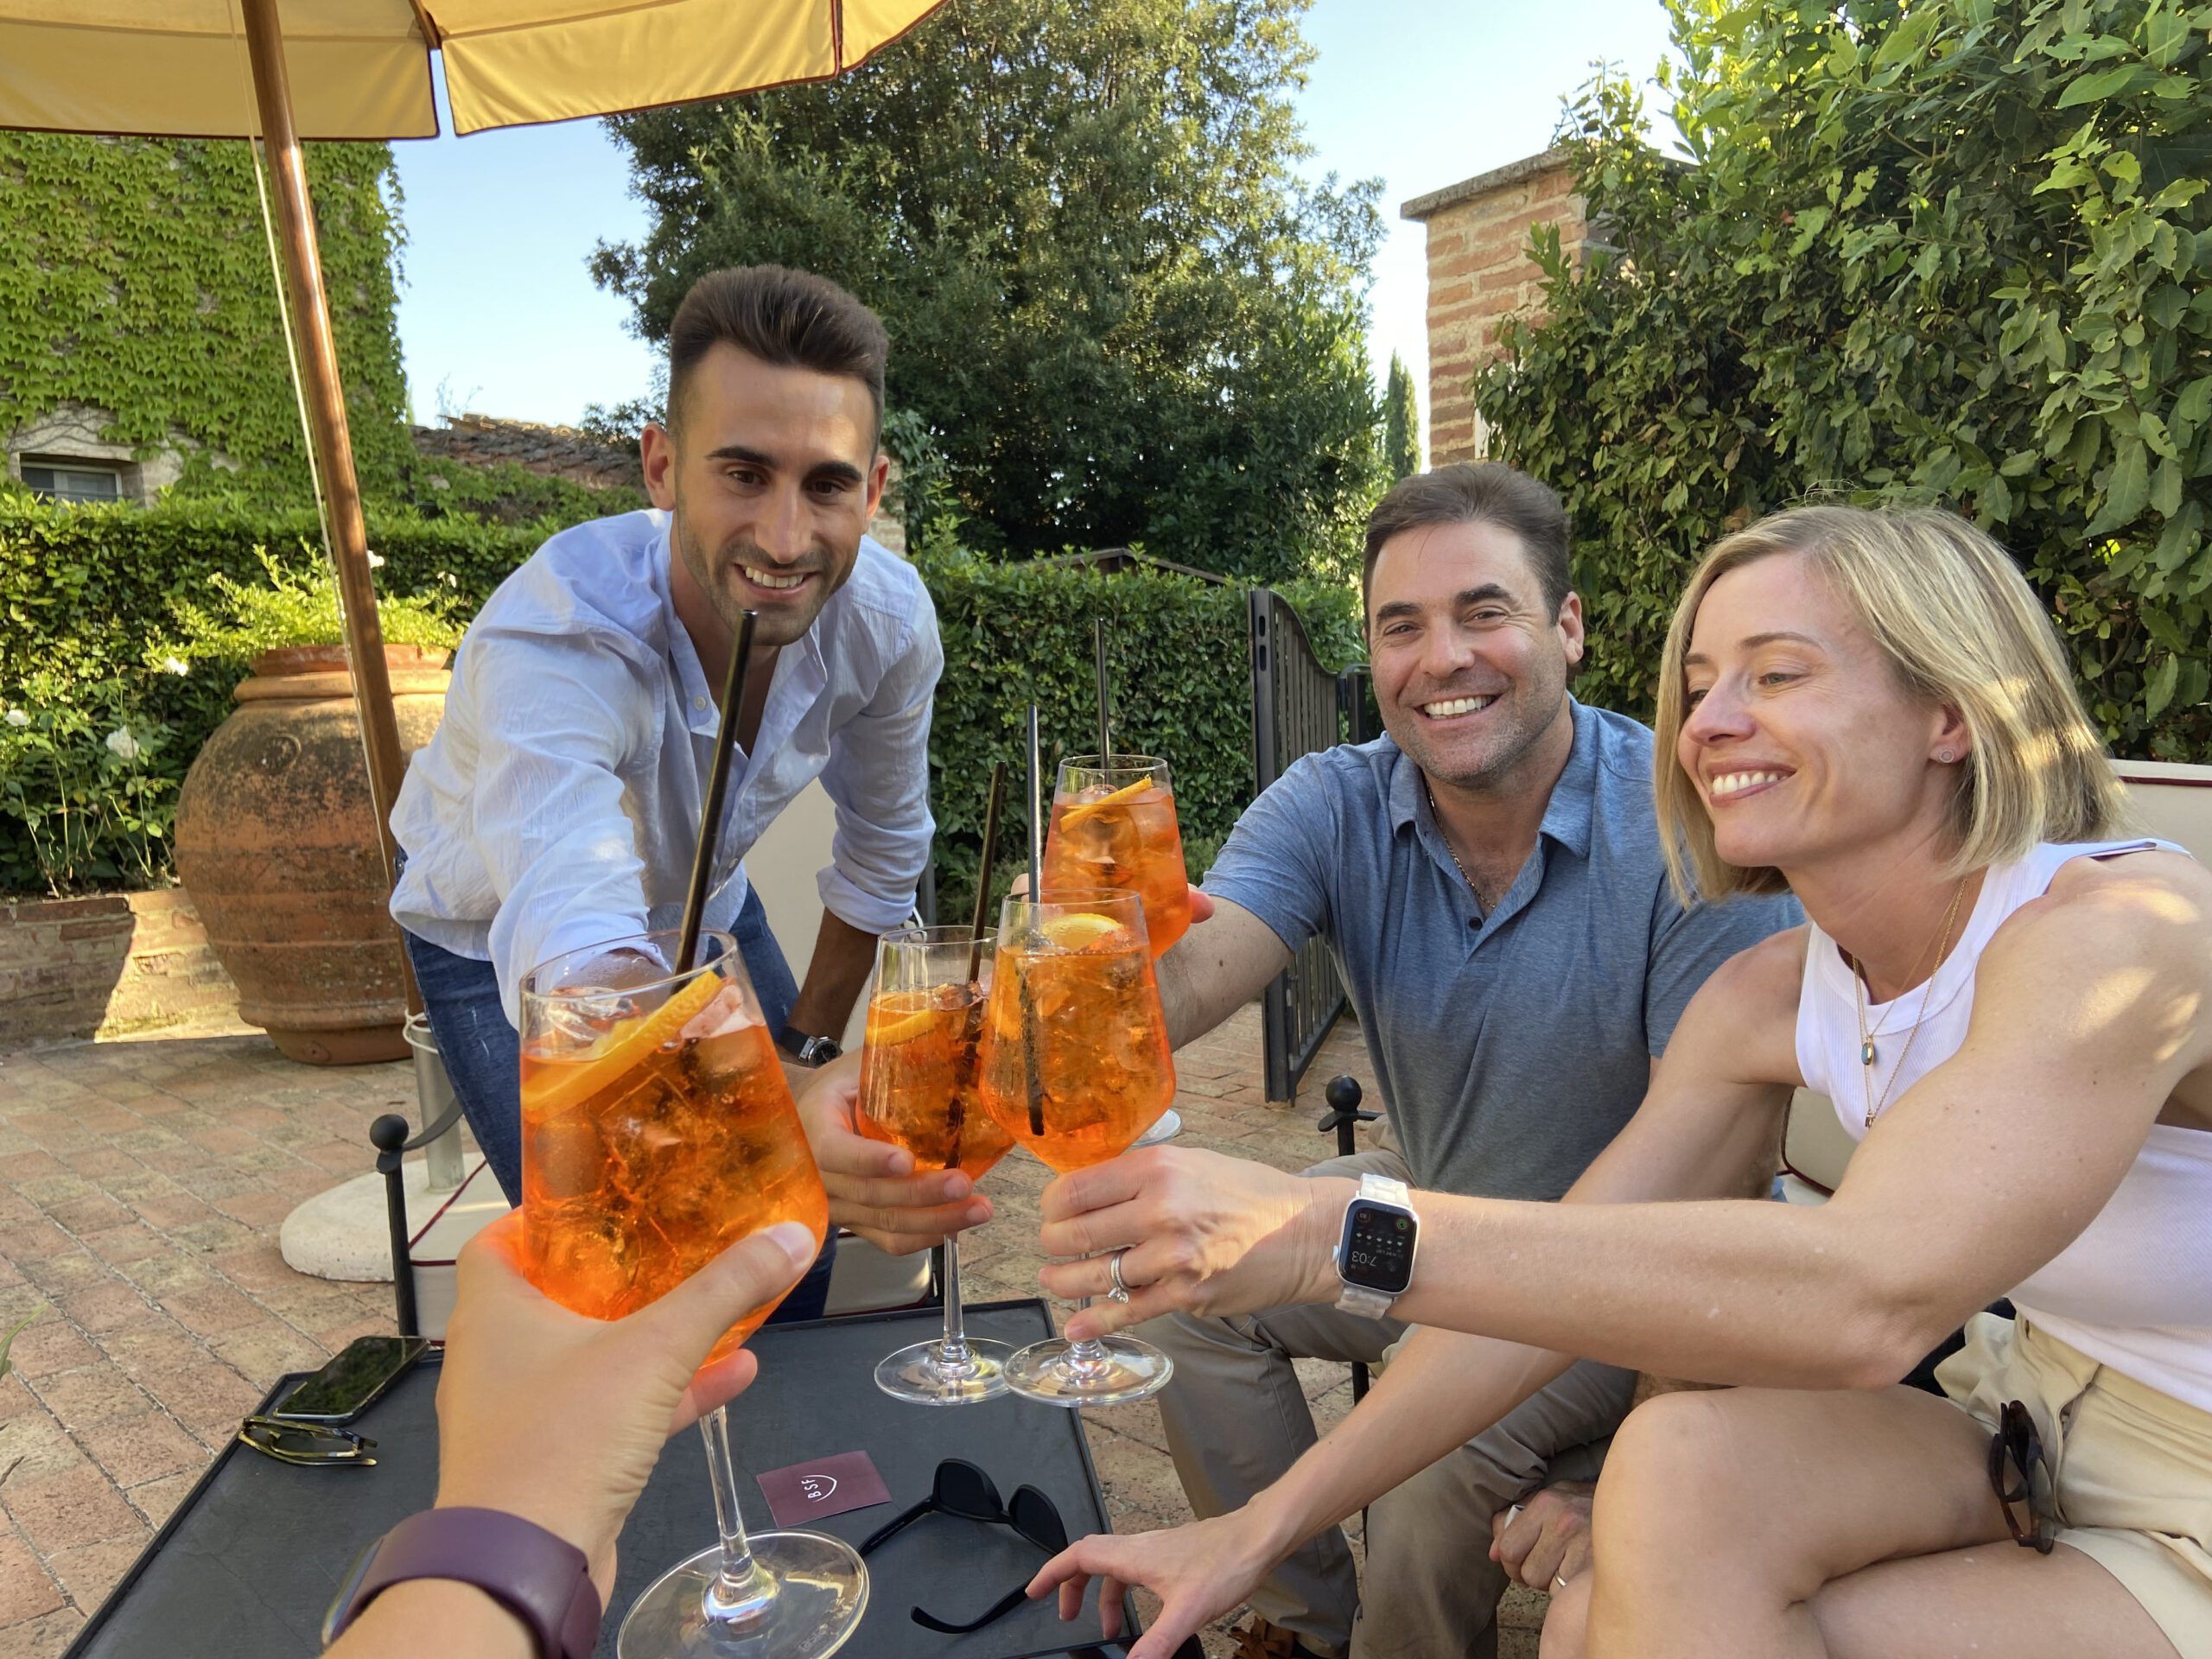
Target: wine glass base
column 820, row 1590
column 1166, row 1126
column 1131, row 1371
column 917, row 1375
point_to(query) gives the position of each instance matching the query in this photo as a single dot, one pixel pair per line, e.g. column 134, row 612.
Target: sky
column 498, row 314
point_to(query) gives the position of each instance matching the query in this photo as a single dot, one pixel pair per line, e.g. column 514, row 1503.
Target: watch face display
column 1377, row 1250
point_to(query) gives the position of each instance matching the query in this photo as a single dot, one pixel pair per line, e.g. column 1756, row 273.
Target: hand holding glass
column 658, row 1130
column 918, row 1090
column 1074, row 1065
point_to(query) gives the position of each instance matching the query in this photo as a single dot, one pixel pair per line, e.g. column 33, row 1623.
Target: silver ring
column 1121, row 1290
column 1559, row 1583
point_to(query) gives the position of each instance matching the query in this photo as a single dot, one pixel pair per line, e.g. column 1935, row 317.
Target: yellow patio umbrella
column 285, row 70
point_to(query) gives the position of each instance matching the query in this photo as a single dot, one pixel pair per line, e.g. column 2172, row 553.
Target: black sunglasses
column 961, row 1488
column 2018, row 1443
column 307, row 1443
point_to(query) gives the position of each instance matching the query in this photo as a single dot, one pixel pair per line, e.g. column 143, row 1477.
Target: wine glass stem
column 1089, row 1353
column 741, row 1592
column 952, row 1353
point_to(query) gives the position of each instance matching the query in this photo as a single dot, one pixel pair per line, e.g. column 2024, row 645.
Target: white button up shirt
column 558, row 805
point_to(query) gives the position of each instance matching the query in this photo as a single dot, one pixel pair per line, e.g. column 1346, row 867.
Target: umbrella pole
column 326, row 412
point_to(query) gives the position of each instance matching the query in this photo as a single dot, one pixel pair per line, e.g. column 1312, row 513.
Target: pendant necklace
column 1866, row 1037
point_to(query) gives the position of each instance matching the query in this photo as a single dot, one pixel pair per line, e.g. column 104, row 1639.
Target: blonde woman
column 2009, row 1000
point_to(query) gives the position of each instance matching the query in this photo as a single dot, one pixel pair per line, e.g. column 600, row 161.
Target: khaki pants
column 1237, row 1419
column 2131, row 1465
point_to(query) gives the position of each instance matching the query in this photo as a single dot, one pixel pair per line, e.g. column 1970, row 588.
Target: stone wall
column 106, row 965
column 1479, row 273
column 77, row 432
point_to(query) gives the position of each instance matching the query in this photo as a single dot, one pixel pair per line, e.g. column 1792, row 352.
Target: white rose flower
column 122, row 744
column 175, row 665
column 16, row 718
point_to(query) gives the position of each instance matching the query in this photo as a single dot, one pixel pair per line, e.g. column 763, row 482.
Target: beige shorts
column 2133, row 1466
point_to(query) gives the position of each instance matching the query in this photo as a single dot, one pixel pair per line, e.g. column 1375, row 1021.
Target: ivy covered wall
column 135, row 278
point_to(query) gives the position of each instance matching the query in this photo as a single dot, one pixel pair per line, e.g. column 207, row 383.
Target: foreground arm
column 2045, row 1107
column 843, row 957
column 1216, row 969
column 559, row 721
column 878, row 778
column 1251, row 1234
column 603, row 1396
column 1271, row 887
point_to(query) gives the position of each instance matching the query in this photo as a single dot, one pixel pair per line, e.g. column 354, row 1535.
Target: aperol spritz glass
column 658, row 1131
column 1074, row 1065
column 918, row 1090
column 1113, row 825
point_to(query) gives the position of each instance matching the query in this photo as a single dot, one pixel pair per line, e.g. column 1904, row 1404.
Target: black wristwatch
column 807, row 1050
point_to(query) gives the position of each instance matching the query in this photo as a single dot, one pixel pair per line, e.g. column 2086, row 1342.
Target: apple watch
column 542, row 1580
column 1375, row 1252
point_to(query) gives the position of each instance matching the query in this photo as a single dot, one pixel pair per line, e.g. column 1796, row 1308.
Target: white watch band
column 1383, row 1190
column 1359, row 1298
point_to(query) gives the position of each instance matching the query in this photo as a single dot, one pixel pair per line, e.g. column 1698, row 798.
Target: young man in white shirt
column 558, row 805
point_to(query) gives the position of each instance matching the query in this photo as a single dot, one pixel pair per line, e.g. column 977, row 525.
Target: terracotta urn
column 276, row 844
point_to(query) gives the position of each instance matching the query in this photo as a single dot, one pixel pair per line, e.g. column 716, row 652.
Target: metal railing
column 1298, row 706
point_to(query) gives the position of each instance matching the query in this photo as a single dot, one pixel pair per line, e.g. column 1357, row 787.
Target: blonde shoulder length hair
column 1958, row 625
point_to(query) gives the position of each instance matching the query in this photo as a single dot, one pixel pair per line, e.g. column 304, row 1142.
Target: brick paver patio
column 142, row 1187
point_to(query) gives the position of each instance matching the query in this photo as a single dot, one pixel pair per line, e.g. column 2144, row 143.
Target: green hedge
column 1953, row 251
column 1178, row 656
column 86, row 597
column 85, row 624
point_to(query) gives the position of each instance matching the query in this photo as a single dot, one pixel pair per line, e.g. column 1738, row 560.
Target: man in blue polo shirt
column 1488, row 876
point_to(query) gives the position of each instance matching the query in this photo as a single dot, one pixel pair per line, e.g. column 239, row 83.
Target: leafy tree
column 1950, row 250
column 1401, row 423
column 1118, row 311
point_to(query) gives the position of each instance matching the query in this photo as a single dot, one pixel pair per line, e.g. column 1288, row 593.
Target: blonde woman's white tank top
column 2134, row 1290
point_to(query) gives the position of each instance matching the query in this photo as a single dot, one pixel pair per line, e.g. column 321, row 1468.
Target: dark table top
column 250, row 1560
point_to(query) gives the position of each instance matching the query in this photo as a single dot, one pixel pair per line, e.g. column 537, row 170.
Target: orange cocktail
column 1113, row 826
column 1074, row 1063
column 657, row 1131
column 918, row 1090
column 918, row 1078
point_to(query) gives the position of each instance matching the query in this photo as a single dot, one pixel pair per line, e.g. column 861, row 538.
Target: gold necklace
column 1866, row 1037
column 1445, row 836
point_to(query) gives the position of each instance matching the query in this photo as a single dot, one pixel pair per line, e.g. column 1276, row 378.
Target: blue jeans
column 483, row 1056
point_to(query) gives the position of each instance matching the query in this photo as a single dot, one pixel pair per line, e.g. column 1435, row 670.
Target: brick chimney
column 1479, row 273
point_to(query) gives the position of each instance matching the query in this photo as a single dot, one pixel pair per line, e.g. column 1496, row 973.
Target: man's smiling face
column 771, row 473
column 1471, row 664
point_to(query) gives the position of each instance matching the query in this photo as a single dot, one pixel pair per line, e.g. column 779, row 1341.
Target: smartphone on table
column 355, row 1379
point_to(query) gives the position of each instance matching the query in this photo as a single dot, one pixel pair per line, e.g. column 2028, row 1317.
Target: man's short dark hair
column 791, row 319
column 1478, row 492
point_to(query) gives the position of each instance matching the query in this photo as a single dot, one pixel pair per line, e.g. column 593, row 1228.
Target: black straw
column 1105, row 702
column 1036, row 813
column 710, row 816
column 1031, row 1062
column 983, row 876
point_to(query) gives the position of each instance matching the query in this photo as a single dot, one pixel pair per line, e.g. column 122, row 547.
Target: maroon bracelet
column 543, row 1580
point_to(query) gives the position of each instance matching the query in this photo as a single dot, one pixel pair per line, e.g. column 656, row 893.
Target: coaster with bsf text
column 808, row 1491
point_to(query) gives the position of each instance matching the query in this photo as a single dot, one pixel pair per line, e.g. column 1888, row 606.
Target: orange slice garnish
column 1121, row 796
column 888, row 1029
column 1081, row 928
column 628, row 1044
